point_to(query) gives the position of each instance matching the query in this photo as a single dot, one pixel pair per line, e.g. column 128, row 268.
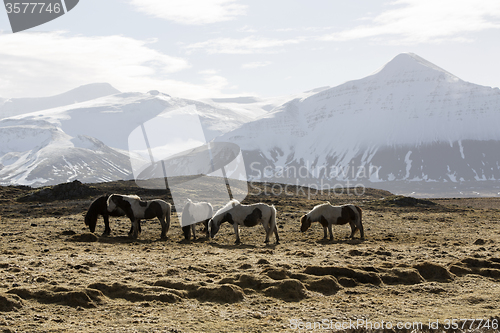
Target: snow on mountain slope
column 258, row 107
column 41, row 154
column 88, row 141
column 17, row 106
column 411, row 120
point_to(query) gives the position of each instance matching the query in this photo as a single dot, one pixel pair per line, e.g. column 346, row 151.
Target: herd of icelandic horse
column 233, row 212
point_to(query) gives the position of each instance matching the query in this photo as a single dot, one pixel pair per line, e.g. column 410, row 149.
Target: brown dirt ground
column 417, row 263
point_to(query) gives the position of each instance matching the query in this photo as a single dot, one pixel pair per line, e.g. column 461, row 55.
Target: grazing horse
column 327, row 215
column 245, row 215
column 194, row 213
column 136, row 210
column 100, row 207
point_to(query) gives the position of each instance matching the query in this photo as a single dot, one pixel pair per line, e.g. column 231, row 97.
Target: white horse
column 193, row 213
column 136, row 210
column 327, row 215
column 245, row 215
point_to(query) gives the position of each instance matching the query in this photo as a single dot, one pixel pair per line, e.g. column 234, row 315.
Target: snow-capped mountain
column 409, row 121
column 88, row 141
column 408, row 124
column 16, row 106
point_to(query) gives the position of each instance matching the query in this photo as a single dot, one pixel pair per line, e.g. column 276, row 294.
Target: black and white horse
column 245, row 215
column 193, row 213
column 100, row 207
column 136, row 210
column 328, row 215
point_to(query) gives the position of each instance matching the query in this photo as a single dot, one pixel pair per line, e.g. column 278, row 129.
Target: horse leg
column 186, row 230
column 135, row 228
column 325, row 235
column 353, row 229
column 237, row 233
column 330, row 231
column 163, row 230
column 193, row 228
column 276, row 235
column 163, row 227
column 361, row 230
column 131, row 228
column 205, row 223
column 268, row 230
column 107, row 230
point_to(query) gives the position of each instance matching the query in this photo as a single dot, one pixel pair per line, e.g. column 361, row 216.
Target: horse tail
column 210, row 211
column 168, row 211
column 359, row 223
column 185, row 214
column 273, row 225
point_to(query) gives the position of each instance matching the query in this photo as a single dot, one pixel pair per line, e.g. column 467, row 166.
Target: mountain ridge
column 17, row 106
column 402, row 120
column 410, row 121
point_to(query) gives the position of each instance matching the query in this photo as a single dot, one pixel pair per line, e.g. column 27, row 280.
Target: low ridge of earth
column 423, row 262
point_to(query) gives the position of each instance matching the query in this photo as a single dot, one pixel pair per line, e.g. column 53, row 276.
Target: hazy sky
column 214, row 48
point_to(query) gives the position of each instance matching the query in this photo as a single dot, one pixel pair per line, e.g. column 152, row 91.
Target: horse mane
column 129, row 196
column 232, row 203
column 317, row 210
column 327, row 203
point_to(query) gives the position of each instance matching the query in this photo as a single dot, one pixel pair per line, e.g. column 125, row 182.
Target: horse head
column 213, row 226
column 305, row 223
column 91, row 220
column 215, row 222
column 95, row 209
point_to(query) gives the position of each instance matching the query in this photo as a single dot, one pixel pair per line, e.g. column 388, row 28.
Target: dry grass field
column 421, row 262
